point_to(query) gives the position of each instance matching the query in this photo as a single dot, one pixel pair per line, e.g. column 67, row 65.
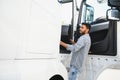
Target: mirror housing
column 65, row 1
column 114, row 3
column 113, row 14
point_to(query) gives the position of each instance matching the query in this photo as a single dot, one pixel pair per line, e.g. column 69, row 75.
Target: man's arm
column 75, row 47
column 63, row 44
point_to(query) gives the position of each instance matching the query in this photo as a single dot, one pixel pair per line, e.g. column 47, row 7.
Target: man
column 80, row 52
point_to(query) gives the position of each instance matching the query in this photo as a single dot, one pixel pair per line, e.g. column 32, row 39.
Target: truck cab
column 104, row 18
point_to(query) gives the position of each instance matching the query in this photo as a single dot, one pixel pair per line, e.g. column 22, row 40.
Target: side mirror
column 113, row 14
column 114, row 3
column 65, row 1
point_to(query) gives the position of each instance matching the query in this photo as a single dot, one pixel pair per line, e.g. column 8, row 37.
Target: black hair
column 88, row 26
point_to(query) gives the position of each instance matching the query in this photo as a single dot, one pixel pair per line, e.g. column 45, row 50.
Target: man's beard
column 82, row 33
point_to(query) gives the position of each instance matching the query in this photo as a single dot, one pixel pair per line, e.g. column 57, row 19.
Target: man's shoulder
column 85, row 36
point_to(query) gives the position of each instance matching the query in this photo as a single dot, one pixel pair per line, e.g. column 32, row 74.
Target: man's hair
column 88, row 26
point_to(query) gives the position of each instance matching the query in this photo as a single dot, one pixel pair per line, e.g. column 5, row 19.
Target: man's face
column 83, row 29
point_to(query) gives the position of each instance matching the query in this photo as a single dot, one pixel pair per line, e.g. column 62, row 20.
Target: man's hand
column 72, row 41
column 63, row 44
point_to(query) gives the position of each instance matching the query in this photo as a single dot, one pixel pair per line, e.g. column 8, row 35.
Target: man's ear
column 87, row 30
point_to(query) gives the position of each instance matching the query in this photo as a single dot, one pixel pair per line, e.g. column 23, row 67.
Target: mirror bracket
column 114, row 3
column 64, row 1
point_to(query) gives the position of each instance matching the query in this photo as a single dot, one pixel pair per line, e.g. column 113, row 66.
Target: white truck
column 104, row 17
column 29, row 40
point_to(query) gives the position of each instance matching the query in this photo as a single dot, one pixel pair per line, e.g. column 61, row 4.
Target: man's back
column 80, row 51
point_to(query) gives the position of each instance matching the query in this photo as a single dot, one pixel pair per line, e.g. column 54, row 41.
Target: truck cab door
column 103, row 37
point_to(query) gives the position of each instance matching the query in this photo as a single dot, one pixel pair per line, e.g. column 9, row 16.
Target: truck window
column 99, row 10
